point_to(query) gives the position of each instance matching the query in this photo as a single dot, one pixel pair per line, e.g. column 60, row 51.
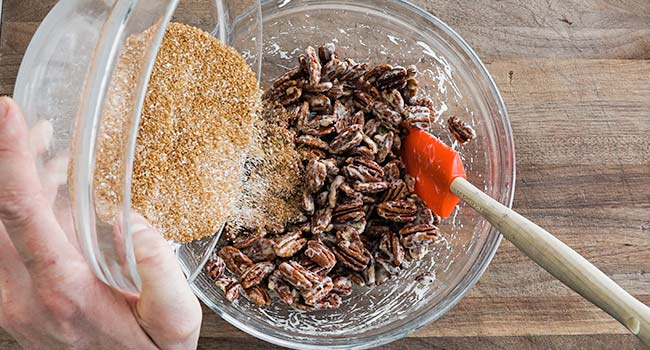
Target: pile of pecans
column 363, row 222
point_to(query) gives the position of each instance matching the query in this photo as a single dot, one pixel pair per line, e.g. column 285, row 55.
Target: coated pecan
column 297, row 275
column 384, row 146
column 311, row 141
column 246, row 240
column 349, row 212
column 363, row 101
column 371, row 187
column 312, row 65
column 332, row 167
column 372, row 145
column 330, row 301
column 423, row 234
column 231, row 288
column 391, row 246
column 388, row 117
column 260, row 250
column 289, row 244
column 375, row 72
column 334, row 190
column 411, row 71
column 293, row 74
column 393, row 99
column 320, row 288
column 256, row 274
column 258, row 295
column 394, row 78
column 287, row 93
column 362, row 152
column 339, row 91
column 354, row 72
column 315, row 174
column 396, row 191
column 309, row 153
column 350, row 250
column 235, row 260
column 411, row 89
column 371, row 127
column 418, row 115
column 410, row 183
column 350, row 192
column 397, row 211
column 342, row 115
column 385, row 262
column 321, row 220
column 342, row 285
column 215, row 267
column 350, row 137
column 364, row 170
column 319, row 103
column 461, row 131
column 287, row 293
column 320, row 254
column 307, row 202
column 333, row 70
column 326, row 53
column 393, row 170
column 318, row 88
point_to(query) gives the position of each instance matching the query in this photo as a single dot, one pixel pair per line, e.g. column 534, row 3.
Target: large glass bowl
column 451, row 73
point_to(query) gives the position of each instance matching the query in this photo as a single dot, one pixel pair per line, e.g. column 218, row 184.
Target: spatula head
column 434, row 166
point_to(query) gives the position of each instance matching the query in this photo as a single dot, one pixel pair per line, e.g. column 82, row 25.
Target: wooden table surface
column 575, row 76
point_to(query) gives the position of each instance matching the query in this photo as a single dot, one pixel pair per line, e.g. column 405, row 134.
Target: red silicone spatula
column 440, row 181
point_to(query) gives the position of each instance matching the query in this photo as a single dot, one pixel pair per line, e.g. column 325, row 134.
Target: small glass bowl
column 395, row 32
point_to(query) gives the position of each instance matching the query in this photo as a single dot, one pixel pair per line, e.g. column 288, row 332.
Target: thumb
column 167, row 309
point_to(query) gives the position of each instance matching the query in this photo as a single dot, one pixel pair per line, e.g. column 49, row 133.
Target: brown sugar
column 194, row 132
column 204, row 155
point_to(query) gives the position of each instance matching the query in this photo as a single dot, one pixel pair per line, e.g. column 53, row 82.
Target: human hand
column 50, row 298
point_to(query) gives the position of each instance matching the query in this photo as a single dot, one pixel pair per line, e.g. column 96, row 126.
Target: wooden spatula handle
column 560, row 260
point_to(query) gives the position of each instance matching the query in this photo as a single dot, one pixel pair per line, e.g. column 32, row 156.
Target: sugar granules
column 204, row 156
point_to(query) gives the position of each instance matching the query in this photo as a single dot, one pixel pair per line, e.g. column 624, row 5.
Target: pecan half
column 320, row 254
column 312, row 65
column 320, row 288
column 388, row 117
column 392, row 247
column 311, row 141
column 396, row 191
column 283, row 289
column 461, row 131
column 349, row 212
column 342, row 285
column 235, row 260
column 364, row 170
column 289, row 244
column 258, row 295
column 215, row 267
column 321, row 220
column 397, row 211
column 393, row 99
column 350, row 250
column 350, row 137
column 260, row 250
column 246, row 240
column 330, row 301
column 371, row 187
column 231, row 288
column 297, row 275
column 256, row 274
column 394, row 78
column 315, row 174
column 326, row 53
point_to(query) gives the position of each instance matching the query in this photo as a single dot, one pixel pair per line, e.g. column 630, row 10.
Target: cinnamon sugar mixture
column 204, row 156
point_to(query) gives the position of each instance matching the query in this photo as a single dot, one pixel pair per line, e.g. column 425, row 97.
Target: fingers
column 24, row 211
column 40, row 137
column 167, row 309
column 12, row 269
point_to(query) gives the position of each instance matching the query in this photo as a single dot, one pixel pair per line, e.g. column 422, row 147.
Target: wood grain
column 575, row 76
